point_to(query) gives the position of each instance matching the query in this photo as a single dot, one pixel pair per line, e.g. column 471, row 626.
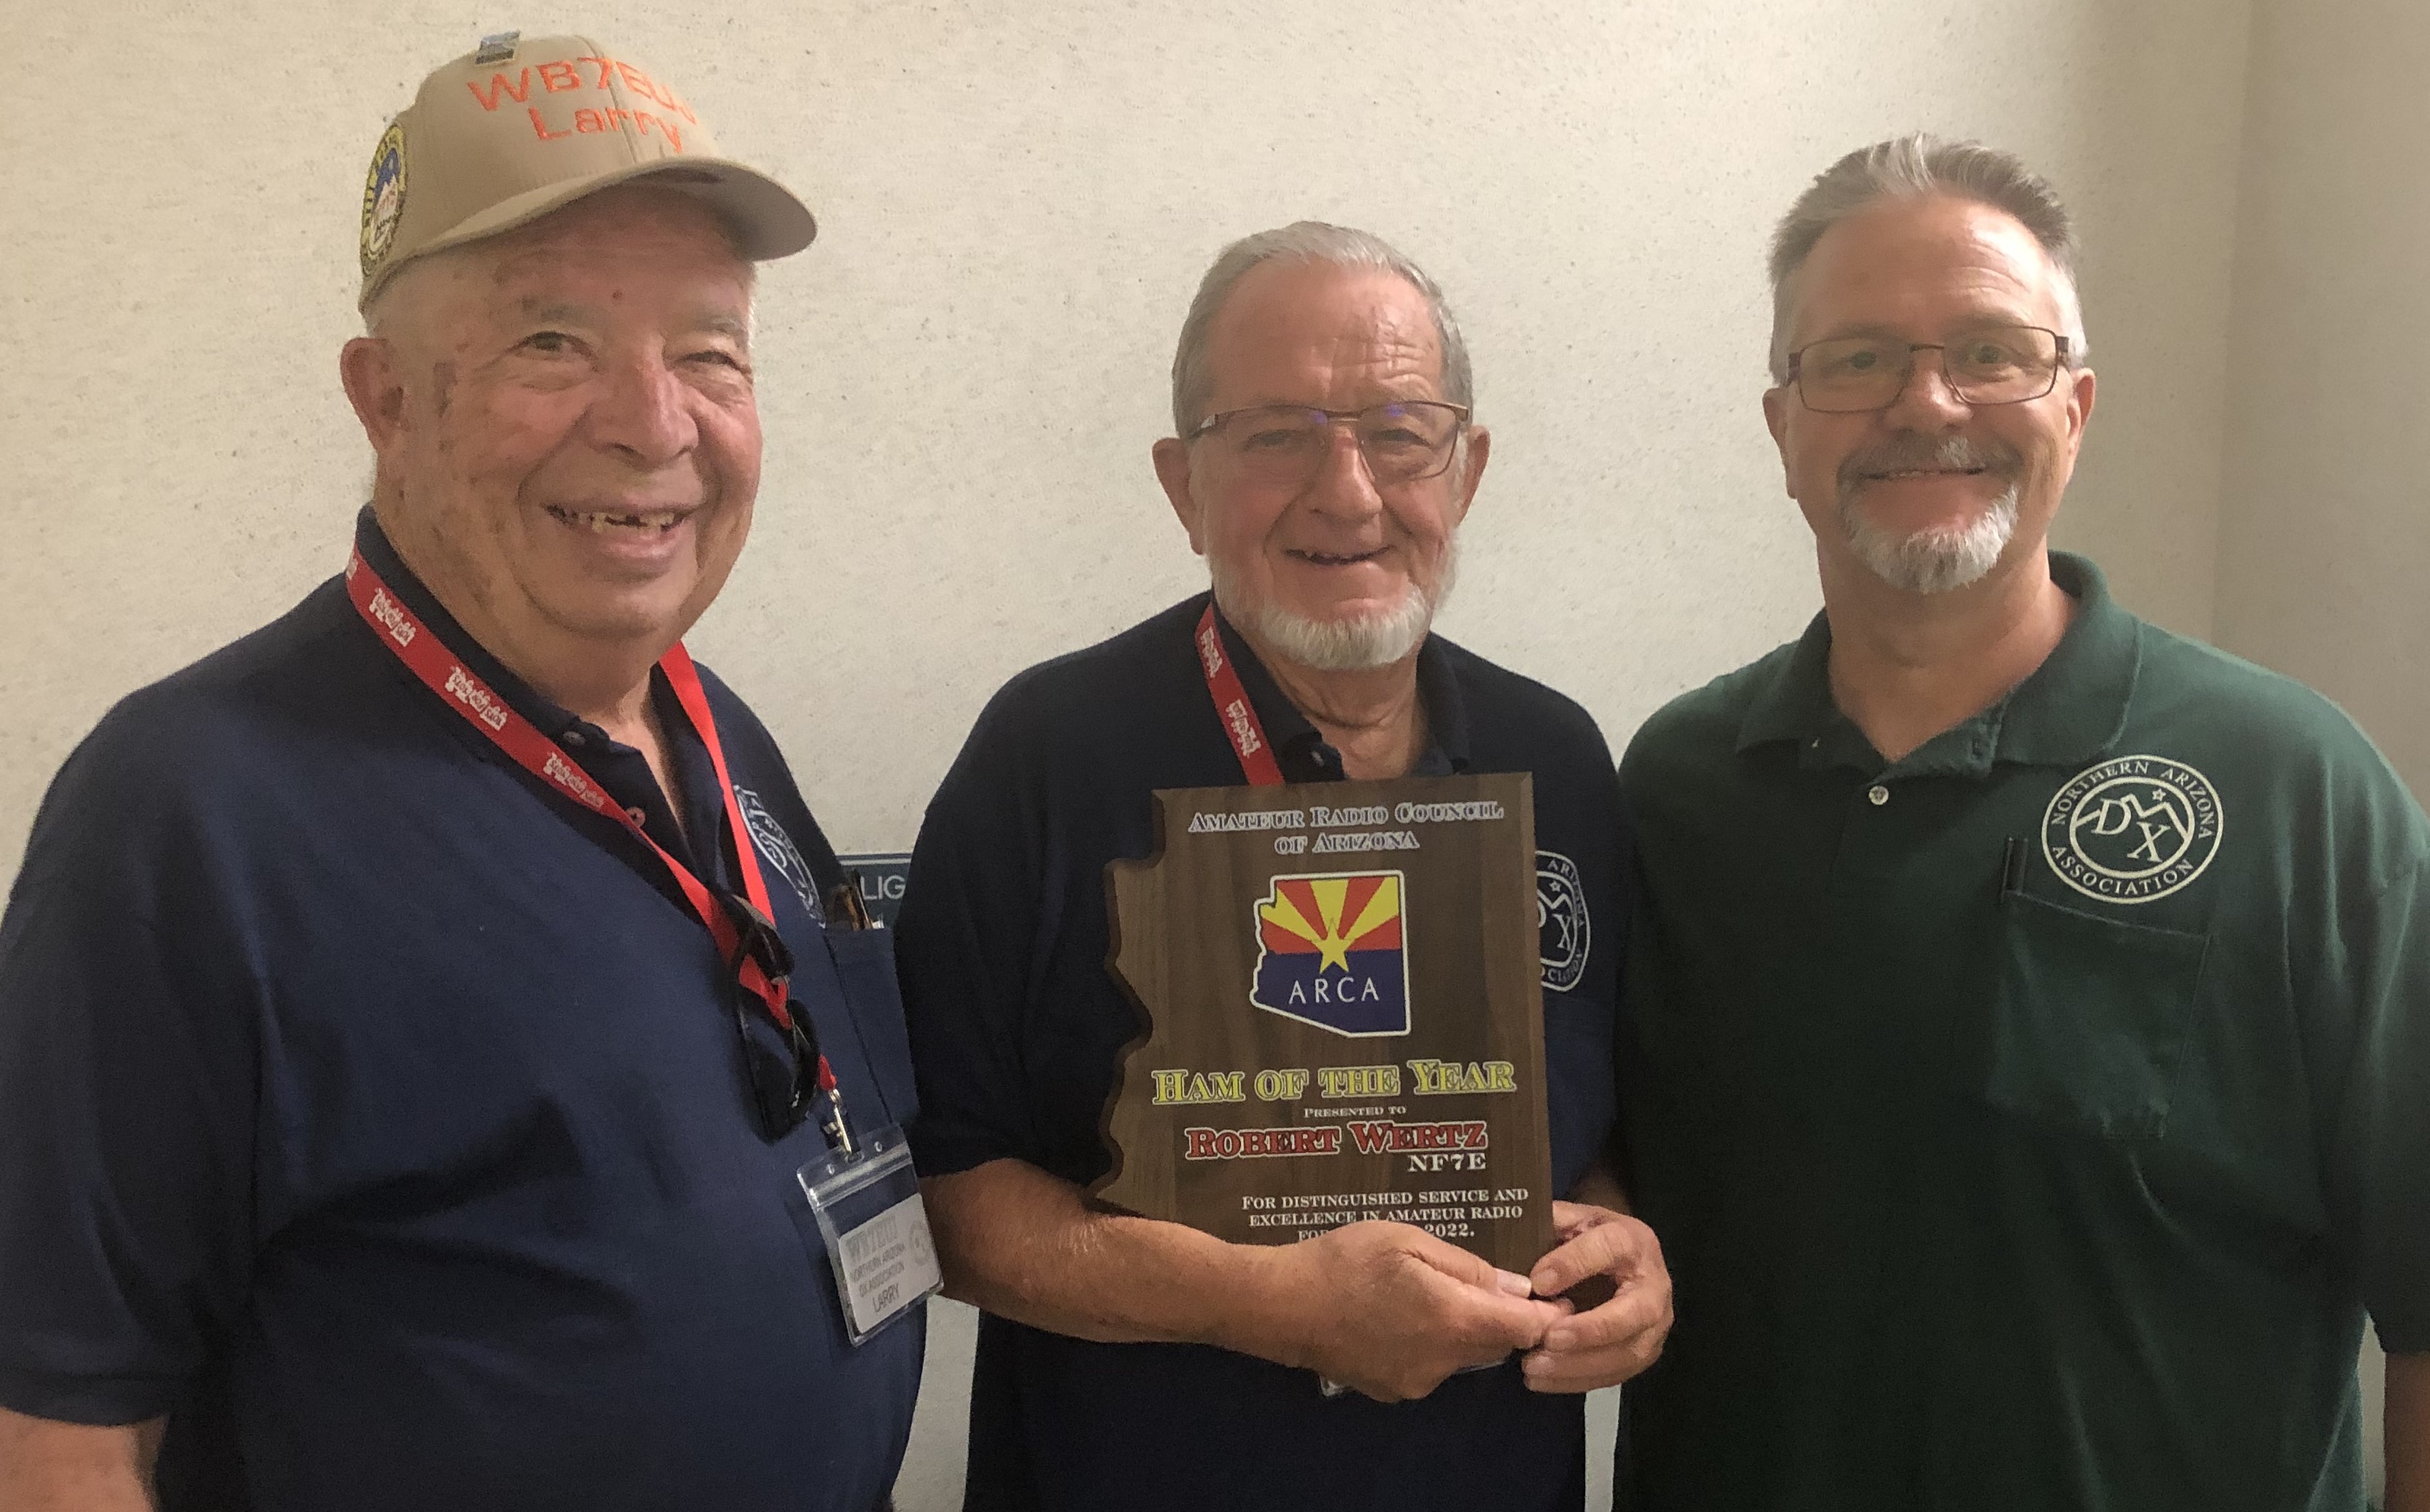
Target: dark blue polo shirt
column 378, row 1115
column 1018, row 1027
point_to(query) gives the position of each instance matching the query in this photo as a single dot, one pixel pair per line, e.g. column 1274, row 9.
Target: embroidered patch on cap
column 383, row 196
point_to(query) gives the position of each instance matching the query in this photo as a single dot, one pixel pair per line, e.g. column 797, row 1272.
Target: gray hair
column 1302, row 241
column 1919, row 166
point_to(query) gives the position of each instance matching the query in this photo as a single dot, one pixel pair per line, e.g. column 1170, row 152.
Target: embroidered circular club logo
column 383, row 196
column 777, row 847
column 1562, row 929
column 2132, row 829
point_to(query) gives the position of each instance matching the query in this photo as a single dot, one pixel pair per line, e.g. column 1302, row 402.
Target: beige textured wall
column 961, row 379
column 2323, row 529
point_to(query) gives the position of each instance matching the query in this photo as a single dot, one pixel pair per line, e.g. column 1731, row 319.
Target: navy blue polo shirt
column 1017, row 1028
column 378, row 1115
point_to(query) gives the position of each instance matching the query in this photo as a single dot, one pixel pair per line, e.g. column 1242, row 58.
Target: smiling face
column 567, row 439
column 1930, row 494
column 1331, row 572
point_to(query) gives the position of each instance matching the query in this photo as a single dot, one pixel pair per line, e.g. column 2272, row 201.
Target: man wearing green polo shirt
column 2030, row 1072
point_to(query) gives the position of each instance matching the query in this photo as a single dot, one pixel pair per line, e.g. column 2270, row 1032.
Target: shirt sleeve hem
column 934, row 1154
column 2403, row 1336
column 113, row 1402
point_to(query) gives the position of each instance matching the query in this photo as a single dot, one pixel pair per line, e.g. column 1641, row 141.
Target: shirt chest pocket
column 2092, row 1016
column 864, row 965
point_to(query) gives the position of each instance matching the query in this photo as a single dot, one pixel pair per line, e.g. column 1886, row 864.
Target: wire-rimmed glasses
column 1405, row 442
column 1985, row 365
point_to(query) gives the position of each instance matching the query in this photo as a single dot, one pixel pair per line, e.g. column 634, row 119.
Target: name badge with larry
column 867, row 1202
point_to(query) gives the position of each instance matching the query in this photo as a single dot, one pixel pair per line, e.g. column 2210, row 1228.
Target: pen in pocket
column 845, row 908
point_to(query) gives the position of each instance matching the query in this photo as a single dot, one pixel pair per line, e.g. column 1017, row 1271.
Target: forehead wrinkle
column 1382, row 329
column 542, row 307
column 1975, row 318
column 718, row 323
column 540, row 268
column 546, row 309
column 1912, row 255
column 1401, row 374
column 1362, row 336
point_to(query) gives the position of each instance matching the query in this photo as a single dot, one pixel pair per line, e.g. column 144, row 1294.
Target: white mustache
column 1909, row 452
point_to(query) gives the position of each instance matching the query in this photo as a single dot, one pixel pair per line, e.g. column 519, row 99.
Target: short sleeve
column 1583, row 885
column 126, row 1095
column 967, row 946
column 2379, row 1147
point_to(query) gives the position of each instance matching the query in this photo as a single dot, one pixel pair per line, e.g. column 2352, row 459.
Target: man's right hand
column 1390, row 1310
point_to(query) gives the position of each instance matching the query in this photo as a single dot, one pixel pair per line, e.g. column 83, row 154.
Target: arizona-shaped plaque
column 1342, row 995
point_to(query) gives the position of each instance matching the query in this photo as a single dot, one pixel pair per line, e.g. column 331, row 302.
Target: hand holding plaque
column 1343, row 1014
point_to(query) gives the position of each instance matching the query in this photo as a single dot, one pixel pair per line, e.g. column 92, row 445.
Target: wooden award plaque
column 1343, row 1000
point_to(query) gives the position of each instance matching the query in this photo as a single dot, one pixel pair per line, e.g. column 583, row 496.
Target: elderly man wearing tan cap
column 442, row 1064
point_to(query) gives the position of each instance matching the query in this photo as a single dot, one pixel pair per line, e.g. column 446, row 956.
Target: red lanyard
column 402, row 631
column 1233, row 708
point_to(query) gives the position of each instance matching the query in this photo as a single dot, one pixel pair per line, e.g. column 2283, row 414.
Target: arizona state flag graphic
column 1330, row 953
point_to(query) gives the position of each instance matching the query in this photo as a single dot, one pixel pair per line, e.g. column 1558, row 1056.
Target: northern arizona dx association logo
column 1564, row 933
column 1331, row 953
column 2132, row 829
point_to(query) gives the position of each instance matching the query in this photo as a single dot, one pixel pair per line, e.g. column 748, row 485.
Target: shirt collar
column 1301, row 751
column 1794, row 702
column 624, row 772
column 2072, row 708
column 550, row 718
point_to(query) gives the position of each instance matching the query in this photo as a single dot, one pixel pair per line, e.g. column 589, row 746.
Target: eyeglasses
column 1404, row 442
column 1987, row 365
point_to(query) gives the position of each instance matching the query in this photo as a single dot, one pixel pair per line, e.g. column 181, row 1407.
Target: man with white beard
column 1322, row 463
column 2030, row 1008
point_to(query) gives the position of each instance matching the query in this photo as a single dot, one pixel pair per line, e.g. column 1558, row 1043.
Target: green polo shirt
column 2031, row 1121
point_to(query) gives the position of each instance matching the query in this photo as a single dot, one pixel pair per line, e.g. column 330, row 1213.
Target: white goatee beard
column 1337, row 645
column 1940, row 560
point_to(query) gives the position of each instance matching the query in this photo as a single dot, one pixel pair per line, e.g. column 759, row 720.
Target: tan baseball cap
column 517, row 128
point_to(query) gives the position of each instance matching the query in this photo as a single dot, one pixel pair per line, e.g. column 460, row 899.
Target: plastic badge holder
column 876, row 1232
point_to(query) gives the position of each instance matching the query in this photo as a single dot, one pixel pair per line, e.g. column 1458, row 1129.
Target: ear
column 374, row 381
column 1173, row 469
column 2079, row 407
column 1480, row 449
column 1776, row 419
